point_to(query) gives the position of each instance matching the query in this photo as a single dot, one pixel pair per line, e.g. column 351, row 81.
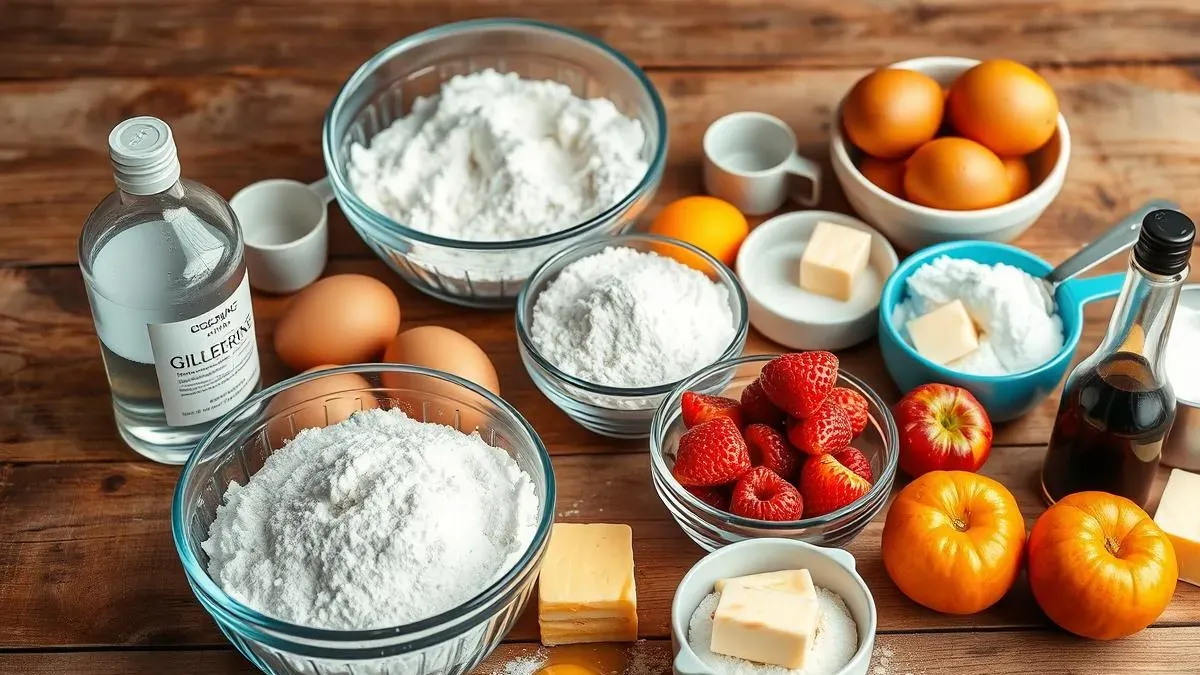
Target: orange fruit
column 886, row 175
column 1018, row 176
column 891, row 112
column 710, row 224
column 1005, row 106
column 956, row 174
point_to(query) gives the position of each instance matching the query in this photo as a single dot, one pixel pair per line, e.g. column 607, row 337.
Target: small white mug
column 286, row 228
column 749, row 158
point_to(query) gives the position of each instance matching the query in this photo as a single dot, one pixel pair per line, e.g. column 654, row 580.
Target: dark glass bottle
column 1118, row 406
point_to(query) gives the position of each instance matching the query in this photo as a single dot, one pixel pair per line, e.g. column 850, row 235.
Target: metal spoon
column 1117, row 239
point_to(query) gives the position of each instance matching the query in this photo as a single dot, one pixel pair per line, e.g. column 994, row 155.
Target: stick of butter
column 764, row 626
column 586, row 591
column 787, row 581
column 833, row 259
column 945, row 334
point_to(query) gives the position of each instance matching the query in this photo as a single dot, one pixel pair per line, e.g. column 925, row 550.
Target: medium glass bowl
column 484, row 273
column 619, row 412
column 711, row 528
column 450, row 643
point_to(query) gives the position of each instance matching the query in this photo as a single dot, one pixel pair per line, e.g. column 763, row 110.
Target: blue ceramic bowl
column 1005, row 397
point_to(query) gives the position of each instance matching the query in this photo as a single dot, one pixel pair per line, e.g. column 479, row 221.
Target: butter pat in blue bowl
column 1005, row 396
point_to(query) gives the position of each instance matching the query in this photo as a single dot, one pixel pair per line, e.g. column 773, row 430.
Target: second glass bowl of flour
column 467, row 155
column 394, row 541
column 606, row 329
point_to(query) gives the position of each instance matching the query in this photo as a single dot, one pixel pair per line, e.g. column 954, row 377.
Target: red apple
column 942, row 427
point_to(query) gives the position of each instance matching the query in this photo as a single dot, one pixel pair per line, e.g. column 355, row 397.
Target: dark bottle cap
column 1165, row 242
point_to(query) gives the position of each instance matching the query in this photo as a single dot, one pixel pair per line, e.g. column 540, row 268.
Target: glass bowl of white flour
column 468, row 154
column 606, row 329
column 374, row 519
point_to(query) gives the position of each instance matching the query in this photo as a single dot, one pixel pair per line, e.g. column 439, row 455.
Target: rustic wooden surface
column 89, row 580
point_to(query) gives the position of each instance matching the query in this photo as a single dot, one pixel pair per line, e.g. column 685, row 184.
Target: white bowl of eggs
column 943, row 148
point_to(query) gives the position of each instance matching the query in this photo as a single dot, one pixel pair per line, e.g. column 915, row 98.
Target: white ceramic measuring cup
column 750, row 161
column 286, row 227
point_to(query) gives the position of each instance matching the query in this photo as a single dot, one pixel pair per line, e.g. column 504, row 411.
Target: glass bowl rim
column 386, row 227
column 216, row 599
column 882, row 485
column 592, row 246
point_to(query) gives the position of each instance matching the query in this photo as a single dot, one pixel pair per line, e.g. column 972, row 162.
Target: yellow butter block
column 1178, row 515
column 945, row 334
column 586, row 591
column 833, row 259
column 787, row 581
column 765, row 626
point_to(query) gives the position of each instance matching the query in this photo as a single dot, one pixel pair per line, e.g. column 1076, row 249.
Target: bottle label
column 208, row 364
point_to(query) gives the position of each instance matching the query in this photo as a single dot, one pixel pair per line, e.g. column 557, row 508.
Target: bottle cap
column 143, row 156
column 1165, row 243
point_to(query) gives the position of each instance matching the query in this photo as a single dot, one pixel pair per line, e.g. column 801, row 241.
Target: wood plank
column 1131, row 132
column 1151, row 652
column 58, row 593
column 66, row 39
column 57, row 402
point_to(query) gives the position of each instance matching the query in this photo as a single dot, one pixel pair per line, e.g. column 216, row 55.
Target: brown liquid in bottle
column 1109, row 431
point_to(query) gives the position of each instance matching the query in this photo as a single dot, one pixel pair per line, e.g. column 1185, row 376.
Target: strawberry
column 769, row 448
column 711, row 453
column 853, row 459
column 827, row 485
column 763, row 495
column 757, row 408
column 855, row 405
column 826, row 430
column 716, row 497
column 798, row 383
column 699, row 408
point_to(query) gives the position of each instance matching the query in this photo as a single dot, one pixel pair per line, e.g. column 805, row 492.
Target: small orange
column 956, row 174
column 1005, row 106
column 1018, row 176
column 886, row 175
column 891, row 112
column 710, row 224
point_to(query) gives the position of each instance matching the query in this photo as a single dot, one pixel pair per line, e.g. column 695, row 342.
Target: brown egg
column 956, row 174
column 885, row 174
column 441, row 349
column 891, row 112
column 1018, row 177
column 1005, row 106
column 318, row 403
column 343, row 319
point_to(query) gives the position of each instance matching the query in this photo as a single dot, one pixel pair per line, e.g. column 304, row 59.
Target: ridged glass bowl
column 483, row 273
column 449, row 643
column 711, row 528
column 619, row 412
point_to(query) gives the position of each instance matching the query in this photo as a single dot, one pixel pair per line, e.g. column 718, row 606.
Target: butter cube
column 586, row 592
column 1179, row 516
column 784, row 581
column 764, row 626
column 833, row 259
column 945, row 334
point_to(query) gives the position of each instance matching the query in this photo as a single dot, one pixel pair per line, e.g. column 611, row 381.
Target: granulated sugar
column 835, row 643
column 378, row 521
column 626, row 318
column 494, row 157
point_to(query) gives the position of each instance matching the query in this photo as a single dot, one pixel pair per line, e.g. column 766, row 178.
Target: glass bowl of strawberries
column 781, row 445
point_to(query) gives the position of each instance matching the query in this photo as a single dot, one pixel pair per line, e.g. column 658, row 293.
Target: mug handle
column 805, row 168
column 322, row 189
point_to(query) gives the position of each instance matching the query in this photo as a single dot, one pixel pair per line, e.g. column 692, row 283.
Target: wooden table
column 89, row 579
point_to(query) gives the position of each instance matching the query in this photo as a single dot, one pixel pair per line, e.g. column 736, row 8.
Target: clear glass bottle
column 162, row 262
column 1118, row 405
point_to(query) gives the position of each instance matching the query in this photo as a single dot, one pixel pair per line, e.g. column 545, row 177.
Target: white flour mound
column 1017, row 333
column 494, row 157
column 378, row 521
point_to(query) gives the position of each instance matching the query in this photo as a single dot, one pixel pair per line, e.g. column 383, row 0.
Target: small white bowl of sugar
column 816, row 584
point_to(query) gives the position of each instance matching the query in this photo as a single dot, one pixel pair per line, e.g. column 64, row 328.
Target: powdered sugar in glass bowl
column 462, row 271
column 451, row 642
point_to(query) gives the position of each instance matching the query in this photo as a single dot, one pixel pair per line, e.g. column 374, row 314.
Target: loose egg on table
column 318, row 403
column 342, row 319
column 445, row 350
column 710, row 224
